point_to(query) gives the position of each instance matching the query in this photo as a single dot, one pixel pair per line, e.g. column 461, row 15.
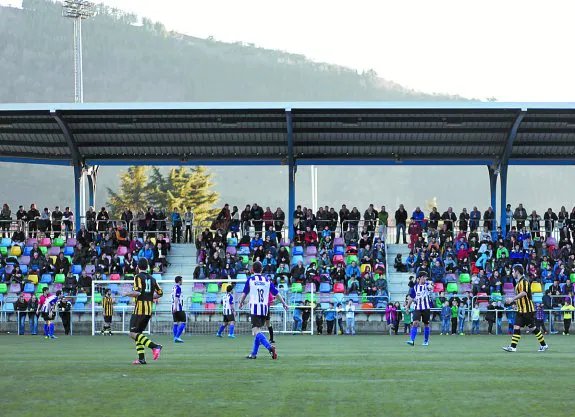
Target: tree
column 197, row 193
column 157, row 192
column 132, row 193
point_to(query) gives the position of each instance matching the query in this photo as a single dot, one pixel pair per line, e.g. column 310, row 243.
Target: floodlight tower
column 78, row 10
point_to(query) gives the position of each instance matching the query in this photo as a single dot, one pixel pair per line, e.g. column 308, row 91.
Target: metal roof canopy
column 374, row 133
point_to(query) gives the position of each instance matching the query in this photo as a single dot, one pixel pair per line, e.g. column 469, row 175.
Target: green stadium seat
column 351, row 258
column 3, row 288
column 58, row 242
column 43, row 250
column 98, row 298
column 59, row 278
column 452, row 287
column 40, row 288
column 496, row 296
column 213, row 288
column 245, row 260
column 197, row 298
column 4, row 251
column 296, row 287
column 310, row 297
column 464, row 278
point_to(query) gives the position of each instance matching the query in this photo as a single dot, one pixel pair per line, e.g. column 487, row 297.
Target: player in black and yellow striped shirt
column 145, row 290
column 108, row 307
column 525, row 311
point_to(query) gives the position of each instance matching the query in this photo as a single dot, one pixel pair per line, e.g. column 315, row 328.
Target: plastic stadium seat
column 210, row 307
column 40, row 288
column 80, row 307
column 71, row 242
column 53, row 259
column 114, row 288
column 9, row 269
column 245, row 260
column 15, row 250
column 90, row 269
column 232, row 241
column 351, row 258
column 438, row 287
column 338, row 287
column 69, row 251
column 339, row 250
column 24, row 269
column 46, row 279
column 231, row 250
column 30, row 241
column 547, row 285
column 367, row 306
column 452, row 287
column 197, row 298
column 308, row 287
column 33, row 278
column 43, row 250
column 122, row 251
column 213, row 288
column 538, row 298
column 298, row 250
column 536, row 287
column 27, row 296
column 464, row 278
column 196, row 307
column 6, row 242
column 14, row 287
column 115, row 277
column 45, row 241
column 3, row 251
column 337, row 259
column 308, row 260
column 285, row 242
column 211, row 298
column 199, row 287
column 241, row 277
column 482, row 297
column 76, row 269
column 54, row 251
column 338, row 241
column 363, row 267
column 465, row 287
column 311, row 251
column 296, row 297
column 353, row 297
column 56, row 287
column 69, row 258
column 29, row 288
column 324, row 306
column 98, row 298
column 243, row 250
column 311, row 298
column 296, row 287
column 82, row 298
column 324, row 287
column 58, row 242
column 496, row 296
column 8, row 307
column 24, row 260
column 157, row 277
column 296, row 258
column 450, row 278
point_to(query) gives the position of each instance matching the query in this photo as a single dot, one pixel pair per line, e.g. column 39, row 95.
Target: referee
column 525, row 311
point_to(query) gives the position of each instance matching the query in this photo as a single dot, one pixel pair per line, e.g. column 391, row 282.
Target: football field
column 313, row 376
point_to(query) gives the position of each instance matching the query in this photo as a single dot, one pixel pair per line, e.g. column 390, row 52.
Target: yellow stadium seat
column 364, row 267
column 33, row 279
column 15, row 250
column 153, row 240
column 536, row 287
column 53, row 258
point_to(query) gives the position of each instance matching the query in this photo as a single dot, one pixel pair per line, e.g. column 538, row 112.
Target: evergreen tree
column 193, row 188
column 158, row 187
column 132, row 193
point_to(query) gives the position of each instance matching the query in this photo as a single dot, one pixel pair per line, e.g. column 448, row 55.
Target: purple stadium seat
column 338, row 241
column 24, row 260
column 71, row 241
column 54, row 251
column 31, row 241
column 122, row 250
column 231, row 250
column 311, row 251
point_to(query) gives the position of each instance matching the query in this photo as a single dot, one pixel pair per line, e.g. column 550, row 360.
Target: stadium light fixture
column 78, row 10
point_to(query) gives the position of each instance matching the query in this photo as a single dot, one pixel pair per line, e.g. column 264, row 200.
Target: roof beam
column 74, row 151
column 504, row 161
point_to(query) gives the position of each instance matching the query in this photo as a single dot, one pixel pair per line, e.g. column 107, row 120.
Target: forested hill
column 132, row 59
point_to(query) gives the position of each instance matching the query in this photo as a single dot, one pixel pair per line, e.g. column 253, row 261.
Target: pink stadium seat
column 115, row 277
column 438, row 287
column 285, row 242
column 337, row 259
column 338, row 287
column 508, row 286
column 45, row 241
column 122, row 251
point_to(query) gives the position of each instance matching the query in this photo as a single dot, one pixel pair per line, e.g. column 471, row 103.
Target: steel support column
column 291, row 174
column 493, row 174
column 77, row 208
column 92, row 176
column 503, row 176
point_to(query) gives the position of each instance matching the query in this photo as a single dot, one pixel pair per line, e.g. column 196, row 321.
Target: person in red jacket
column 310, row 237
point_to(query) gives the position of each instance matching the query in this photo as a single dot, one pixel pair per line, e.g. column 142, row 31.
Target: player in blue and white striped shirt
column 178, row 312
column 48, row 310
column 258, row 287
column 228, row 312
column 419, row 296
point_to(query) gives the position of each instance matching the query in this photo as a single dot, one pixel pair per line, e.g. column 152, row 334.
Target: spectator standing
column 454, row 314
column 5, row 219
column 57, row 216
column 383, row 217
column 419, row 217
column 68, row 221
column 474, row 218
column 339, row 318
column 449, row 218
column 463, row 220
column 520, row 216
column 297, row 319
column 32, row 314
column 344, row 217
column 279, row 218
column 567, row 315
column 330, row 318
column 305, row 315
column 33, row 217
column 461, row 315
column 475, row 317
column 445, row 318
column 434, row 218
column 400, row 224
column 350, row 318
column 370, row 218
column 188, row 223
column 354, row 218
column 102, row 220
column 127, row 217
column 176, row 226
column 540, row 318
column 20, row 307
column 45, row 222
column 257, row 217
column 534, row 224
column 489, row 219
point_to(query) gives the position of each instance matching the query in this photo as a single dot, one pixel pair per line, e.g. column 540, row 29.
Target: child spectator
column 454, row 311
column 568, row 315
column 319, row 320
column 406, row 319
column 390, row 316
column 461, row 314
column 297, row 320
column 540, row 318
column 397, row 317
column 445, row 318
column 339, row 318
column 330, row 318
column 350, row 318
column 475, row 317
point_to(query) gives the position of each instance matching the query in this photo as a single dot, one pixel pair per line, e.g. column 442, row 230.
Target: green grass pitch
column 313, row 376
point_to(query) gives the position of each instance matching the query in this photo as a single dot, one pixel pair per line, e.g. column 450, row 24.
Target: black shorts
column 229, row 318
column 258, row 321
column 108, row 319
column 422, row 315
column 268, row 317
column 48, row 316
column 138, row 323
column 179, row 317
column 525, row 319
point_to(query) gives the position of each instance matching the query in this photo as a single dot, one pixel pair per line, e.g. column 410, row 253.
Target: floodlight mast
column 78, row 10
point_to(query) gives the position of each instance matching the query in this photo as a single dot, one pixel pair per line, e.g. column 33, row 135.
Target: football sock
column 222, row 327
column 540, row 338
column 51, row 331
column 516, row 337
column 256, row 345
column 45, row 329
column 181, row 329
column 271, row 330
column 175, row 330
column 232, row 329
column 264, row 341
column 426, row 333
column 413, row 333
column 143, row 340
column 141, row 351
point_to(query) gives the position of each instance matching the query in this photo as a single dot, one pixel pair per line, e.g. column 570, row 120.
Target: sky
column 507, row 49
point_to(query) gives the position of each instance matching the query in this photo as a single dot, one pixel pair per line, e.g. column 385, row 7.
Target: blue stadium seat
column 196, row 307
column 243, row 250
column 76, row 269
column 29, row 288
column 157, row 277
column 46, row 279
column 79, row 307
column 324, row 306
column 82, row 298
column 324, row 287
column 211, row 298
column 296, row 258
column 296, row 297
column 69, row 251
column 339, row 250
column 124, row 300
column 338, row 298
column 298, row 250
column 8, row 308
column 27, row 250
column 24, row 269
column 6, row 242
column 113, row 288
column 537, row 297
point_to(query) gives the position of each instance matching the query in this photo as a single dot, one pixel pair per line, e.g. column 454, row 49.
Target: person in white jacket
column 350, row 318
